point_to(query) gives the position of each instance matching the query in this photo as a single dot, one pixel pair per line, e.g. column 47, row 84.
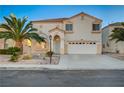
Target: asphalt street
column 57, row 78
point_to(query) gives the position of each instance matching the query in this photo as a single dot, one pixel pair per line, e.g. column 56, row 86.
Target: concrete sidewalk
column 73, row 62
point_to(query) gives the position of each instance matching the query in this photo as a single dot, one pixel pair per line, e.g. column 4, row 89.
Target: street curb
column 43, row 68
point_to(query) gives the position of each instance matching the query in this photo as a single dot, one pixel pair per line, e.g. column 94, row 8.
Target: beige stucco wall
column 82, row 29
column 44, row 27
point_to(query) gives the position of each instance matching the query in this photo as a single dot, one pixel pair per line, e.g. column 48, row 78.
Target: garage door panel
column 82, row 49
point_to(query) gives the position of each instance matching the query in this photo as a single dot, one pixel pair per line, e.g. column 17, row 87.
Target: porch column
column 99, row 48
column 51, row 43
column 62, row 46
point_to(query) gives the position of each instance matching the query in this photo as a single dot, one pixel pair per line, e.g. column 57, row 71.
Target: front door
column 56, row 45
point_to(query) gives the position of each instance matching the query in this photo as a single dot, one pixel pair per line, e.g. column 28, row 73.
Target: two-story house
column 79, row 34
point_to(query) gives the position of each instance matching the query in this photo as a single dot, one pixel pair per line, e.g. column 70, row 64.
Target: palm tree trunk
column 19, row 45
column 4, row 43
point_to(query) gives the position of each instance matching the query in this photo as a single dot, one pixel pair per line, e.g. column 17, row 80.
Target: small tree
column 117, row 34
column 14, row 51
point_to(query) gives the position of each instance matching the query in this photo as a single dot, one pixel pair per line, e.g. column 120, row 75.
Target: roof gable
column 113, row 24
column 63, row 19
column 84, row 14
column 56, row 28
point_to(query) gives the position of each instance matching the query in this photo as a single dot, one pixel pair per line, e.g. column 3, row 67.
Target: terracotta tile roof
column 116, row 24
column 52, row 20
column 86, row 15
column 62, row 19
column 113, row 24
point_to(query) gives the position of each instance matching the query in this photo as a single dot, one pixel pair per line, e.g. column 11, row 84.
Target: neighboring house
column 79, row 34
column 108, row 45
column 1, row 41
column 7, row 43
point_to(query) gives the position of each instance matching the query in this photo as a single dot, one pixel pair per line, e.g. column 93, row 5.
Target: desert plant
column 44, row 58
column 13, row 50
column 27, row 57
column 10, row 51
column 4, row 51
column 14, row 58
column 49, row 53
column 117, row 34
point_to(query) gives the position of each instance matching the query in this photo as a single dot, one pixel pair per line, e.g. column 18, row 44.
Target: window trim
column 95, row 27
column 69, row 31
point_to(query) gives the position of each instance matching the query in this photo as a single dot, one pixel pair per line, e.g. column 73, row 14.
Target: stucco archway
column 57, row 32
column 56, row 44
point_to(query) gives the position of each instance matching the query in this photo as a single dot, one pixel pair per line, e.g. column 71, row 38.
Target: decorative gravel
column 117, row 56
column 4, row 59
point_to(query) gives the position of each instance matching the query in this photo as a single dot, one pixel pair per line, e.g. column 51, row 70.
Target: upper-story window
column 96, row 27
column 40, row 26
column 69, row 27
column 82, row 17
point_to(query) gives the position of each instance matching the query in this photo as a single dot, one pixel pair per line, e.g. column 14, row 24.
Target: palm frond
column 26, row 28
column 7, row 35
column 9, row 21
column 122, row 23
column 34, row 36
column 117, row 35
column 7, row 27
column 22, row 23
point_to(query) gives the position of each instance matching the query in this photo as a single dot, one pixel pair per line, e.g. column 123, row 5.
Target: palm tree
column 117, row 34
column 18, row 29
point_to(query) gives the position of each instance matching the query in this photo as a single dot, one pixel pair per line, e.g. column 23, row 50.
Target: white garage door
column 82, row 49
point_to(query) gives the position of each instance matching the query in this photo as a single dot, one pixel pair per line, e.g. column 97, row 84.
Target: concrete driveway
column 91, row 62
column 73, row 62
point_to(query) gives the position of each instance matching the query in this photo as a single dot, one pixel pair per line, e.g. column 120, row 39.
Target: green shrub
column 4, row 51
column 14, row 58
column 13, row 50
column 49, row 53
column 10, row 51
column 44, row 58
